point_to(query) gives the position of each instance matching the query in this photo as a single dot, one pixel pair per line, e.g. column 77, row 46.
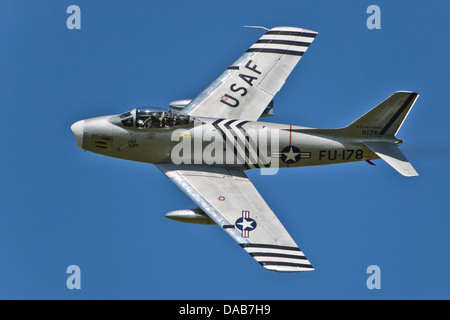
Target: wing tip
column 294, row 29
column 279, row 258
column 288, row 269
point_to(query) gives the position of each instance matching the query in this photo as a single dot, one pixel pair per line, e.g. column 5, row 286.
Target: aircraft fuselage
column 220, row 142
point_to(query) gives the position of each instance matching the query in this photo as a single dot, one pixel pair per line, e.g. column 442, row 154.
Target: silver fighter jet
column 205, row 145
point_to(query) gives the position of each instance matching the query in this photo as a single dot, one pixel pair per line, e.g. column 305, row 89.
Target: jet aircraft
column 205, row 145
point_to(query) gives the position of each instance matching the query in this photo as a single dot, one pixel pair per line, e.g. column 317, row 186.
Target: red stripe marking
column 290, row 140
column 290, row 134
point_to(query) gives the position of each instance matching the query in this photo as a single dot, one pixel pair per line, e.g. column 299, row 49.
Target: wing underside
column 229, row 198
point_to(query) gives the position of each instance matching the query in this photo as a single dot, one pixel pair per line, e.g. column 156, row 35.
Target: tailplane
column 390, row 153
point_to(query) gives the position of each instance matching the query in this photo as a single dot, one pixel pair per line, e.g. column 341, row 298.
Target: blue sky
column 62, row 206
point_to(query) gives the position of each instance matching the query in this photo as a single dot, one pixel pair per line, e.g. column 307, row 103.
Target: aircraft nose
column 78, row 131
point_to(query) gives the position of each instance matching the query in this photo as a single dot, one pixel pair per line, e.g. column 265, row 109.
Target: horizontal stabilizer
column 390, row 153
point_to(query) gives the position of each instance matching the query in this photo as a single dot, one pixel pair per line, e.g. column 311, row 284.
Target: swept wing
column 229, row 198
column 247, row 87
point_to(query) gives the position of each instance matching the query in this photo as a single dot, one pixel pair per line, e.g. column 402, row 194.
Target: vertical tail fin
column 386, row 118
column 381, row 124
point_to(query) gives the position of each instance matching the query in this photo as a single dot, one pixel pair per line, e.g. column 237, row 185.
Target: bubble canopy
column 152, row 117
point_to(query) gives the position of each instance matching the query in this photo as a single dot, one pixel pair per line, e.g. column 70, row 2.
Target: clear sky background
column 62, row 206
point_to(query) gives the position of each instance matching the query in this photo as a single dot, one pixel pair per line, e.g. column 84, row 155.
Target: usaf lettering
column 232, row 101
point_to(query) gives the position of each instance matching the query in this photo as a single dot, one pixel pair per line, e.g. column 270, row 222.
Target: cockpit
column 146, row 118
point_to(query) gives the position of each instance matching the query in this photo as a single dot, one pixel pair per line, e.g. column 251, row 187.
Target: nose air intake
column 78, row 131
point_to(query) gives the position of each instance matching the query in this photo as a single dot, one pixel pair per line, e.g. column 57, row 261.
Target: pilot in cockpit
column 156, row 119
column 163, row 120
